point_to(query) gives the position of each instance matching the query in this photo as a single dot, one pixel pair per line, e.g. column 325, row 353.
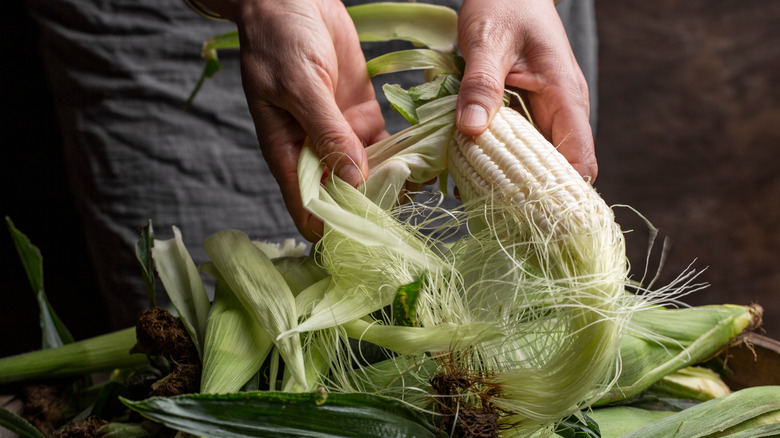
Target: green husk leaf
column 262, row 290
column 309, row 297
column 54, row 332
column 418, row 340
column 615, row 422
column 672, row 339
column 101, row 353
column 419, row 23
column 578, row 426
column 18, row 425
column 401, row 102
column 299, row 272
column 183, row 284
column 340, row 303
column 715, row 415
column 415, row 59
column 405, row 303
column 767, row 424
column 406, row 102
column 441, row 86
column 372, row 227
column 262, row 414
column 143, row 252
column 227, row 40
column 690, row 383
column 236, row 345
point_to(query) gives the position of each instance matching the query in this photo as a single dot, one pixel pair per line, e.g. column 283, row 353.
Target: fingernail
column 473, row 116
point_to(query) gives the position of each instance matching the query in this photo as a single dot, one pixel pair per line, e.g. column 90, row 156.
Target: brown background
column 689, row 135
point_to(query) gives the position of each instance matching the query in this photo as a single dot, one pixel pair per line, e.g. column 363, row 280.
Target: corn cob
column 511, row 160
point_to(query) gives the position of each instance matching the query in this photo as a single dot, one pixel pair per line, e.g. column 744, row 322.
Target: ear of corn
column 251, row 275
column 662, row 341
column 235, row 347
column 547, row 269
column 691, row 383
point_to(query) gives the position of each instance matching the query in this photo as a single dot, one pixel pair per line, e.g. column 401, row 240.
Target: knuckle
column 482, row 84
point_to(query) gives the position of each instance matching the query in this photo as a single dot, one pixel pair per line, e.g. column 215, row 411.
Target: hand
column 522, row 44
column 304, row 75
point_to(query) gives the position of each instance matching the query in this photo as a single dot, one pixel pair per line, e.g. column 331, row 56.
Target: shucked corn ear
column 543, row 262
column 535, row 207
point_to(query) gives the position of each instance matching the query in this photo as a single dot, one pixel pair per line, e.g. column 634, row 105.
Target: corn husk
column 665, row 340
column 235, row 346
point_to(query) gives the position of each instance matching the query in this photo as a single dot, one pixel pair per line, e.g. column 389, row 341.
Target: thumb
column 334, row 139
column 481, row 94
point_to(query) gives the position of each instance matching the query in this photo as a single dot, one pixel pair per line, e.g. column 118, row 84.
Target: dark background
column 688, row 135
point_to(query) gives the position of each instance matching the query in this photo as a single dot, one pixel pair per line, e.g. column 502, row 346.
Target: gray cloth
column 120, row 71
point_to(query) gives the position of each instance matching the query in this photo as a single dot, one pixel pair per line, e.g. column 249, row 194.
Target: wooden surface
column 689, row 135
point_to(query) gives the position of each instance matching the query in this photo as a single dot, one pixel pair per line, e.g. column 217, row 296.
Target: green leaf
column 401, row 102
column 715, row 415
column 414, row 59
column 299, row 272
column 262, row 414
column 417, row 340
column 143, row 252
column 101, row 353
column 261, row 289
column 620, row 420
column 578, row 426
column 441, row 86
column 671, row 339
column 183, row 284
column 54, row 332
column 405, row 303
column 227, row 40
column 419, row 23
column 18, row 425
column 107, row 404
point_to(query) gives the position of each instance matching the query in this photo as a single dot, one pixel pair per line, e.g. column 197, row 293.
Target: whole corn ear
column 529, row 209
column 662, row 341
column 543, row 263
column 235, row 345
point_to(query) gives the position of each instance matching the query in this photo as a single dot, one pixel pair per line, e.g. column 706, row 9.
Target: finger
column 572, row 134
column 280, row 140
column 332, row 136
column 481, row 91
column 354, row 92
column 560, row 108
column 486, row 46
